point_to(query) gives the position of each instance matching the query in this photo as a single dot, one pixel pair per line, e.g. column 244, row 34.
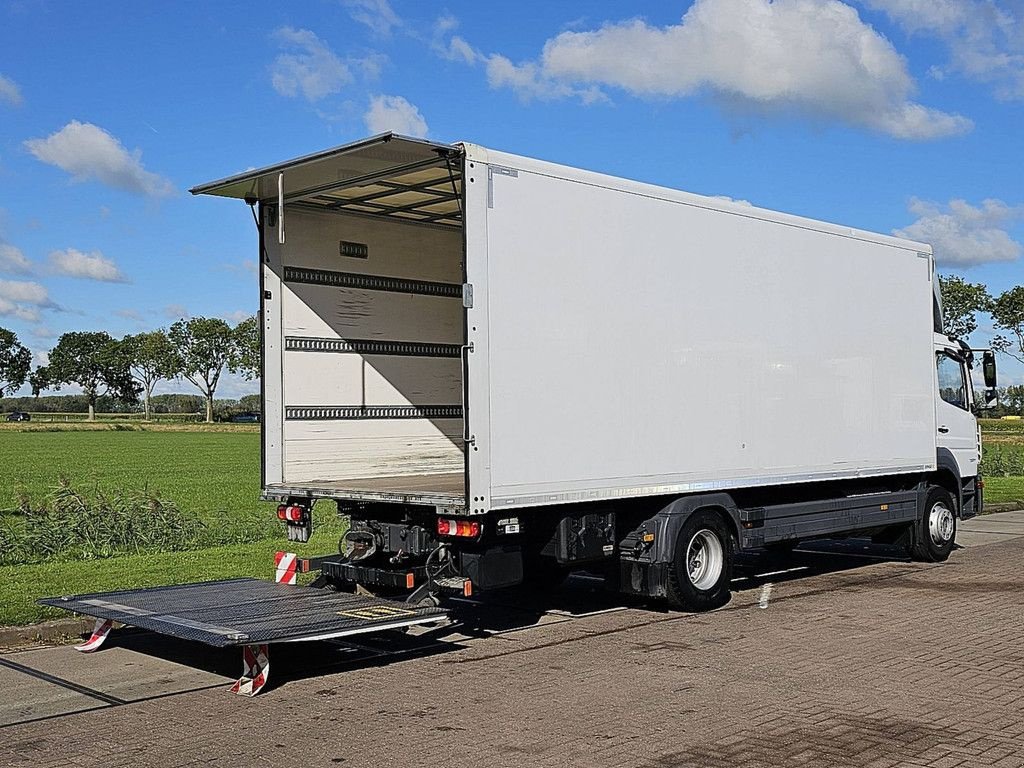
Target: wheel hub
column 940, row 524
column 704, row 559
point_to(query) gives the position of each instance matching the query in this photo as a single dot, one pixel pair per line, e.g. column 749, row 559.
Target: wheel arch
column 946, row 475
column 674, row 516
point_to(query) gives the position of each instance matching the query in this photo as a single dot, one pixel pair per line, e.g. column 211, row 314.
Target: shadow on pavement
column 493, row 614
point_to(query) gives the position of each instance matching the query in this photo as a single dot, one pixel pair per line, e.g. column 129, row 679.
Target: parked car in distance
column 19, row 416
column 245, row 418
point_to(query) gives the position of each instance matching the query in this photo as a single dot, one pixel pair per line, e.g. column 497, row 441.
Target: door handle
column 943, row 429
column 466, row 349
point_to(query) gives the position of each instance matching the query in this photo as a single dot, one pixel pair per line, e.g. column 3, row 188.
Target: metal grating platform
column 247, row 612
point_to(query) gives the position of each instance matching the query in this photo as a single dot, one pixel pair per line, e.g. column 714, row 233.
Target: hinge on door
column 467, row 295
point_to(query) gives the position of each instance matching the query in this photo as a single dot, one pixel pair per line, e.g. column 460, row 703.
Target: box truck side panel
column 641, row 345
column 369, row 338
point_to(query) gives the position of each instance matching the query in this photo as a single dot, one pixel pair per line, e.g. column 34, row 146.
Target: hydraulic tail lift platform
column 251, row 613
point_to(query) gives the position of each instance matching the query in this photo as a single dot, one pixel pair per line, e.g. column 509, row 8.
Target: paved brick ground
column 884, row 664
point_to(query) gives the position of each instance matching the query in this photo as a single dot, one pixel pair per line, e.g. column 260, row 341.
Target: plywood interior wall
column 332, row 376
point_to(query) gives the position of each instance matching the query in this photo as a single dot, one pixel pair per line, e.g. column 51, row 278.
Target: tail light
column 290, row 513
column 447, row 526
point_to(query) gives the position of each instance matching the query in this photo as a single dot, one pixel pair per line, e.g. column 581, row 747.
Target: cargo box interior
column 366, row 341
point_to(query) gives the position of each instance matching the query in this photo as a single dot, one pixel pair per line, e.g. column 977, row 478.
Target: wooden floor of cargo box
column 448, row 488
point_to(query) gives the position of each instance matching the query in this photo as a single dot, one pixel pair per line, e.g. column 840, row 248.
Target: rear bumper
column 489, row 568
column 369, row 576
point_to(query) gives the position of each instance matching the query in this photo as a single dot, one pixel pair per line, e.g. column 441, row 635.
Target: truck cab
column 958, row 435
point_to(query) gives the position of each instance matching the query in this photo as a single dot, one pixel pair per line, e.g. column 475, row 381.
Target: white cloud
column 129, row 314
column 86, row 151
column 11, row 309
column 87, row 266
column 815, row 58
column 176, row 312
column 25, row 292
column 378, row 15
column 734, row 200
column 985, row 38
column 22, row 299
column 393, row 113
column 244, row 267
column 451, row 46
column 236, row 316
column 13, row 261
column 532, row 81
column 311, row 69
column 371, row 65
column 43, row 332
column 10, row 93
column 529, row 80
column 963, row 235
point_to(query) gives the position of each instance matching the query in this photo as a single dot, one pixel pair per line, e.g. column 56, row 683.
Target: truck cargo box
column 452, row 326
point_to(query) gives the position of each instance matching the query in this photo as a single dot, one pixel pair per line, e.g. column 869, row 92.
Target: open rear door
column 363, row 321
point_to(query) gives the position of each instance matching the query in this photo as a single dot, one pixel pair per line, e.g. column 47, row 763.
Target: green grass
column 214, row 474
column 1000, row 490
column 1002, row 461
column 21, row 585
column 212, row 471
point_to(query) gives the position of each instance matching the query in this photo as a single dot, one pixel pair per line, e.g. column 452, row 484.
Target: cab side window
column 951, row 381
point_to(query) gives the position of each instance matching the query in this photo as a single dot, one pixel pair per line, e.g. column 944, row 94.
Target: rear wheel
column 935, row 529
column 701, row 564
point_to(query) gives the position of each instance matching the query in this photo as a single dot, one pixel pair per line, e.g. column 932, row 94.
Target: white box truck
column 517, row 368
column 503, row 369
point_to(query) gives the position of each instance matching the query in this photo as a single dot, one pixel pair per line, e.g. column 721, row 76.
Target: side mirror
column 988, row 367
column 991, row 399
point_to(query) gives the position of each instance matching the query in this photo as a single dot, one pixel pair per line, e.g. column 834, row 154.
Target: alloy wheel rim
column 705, row 559
column 940, row 524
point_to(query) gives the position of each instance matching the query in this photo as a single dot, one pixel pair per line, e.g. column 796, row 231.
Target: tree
column 95, row 362
column 152, row 358
column 1013, row 397
column 961, row 301
column 205, row 346
column 247, row 353
column 15, row 362
column 39, row 380
column 1008, row 316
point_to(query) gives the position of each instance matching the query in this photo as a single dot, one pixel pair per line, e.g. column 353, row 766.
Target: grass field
column 1003, row 461
column 213, row 471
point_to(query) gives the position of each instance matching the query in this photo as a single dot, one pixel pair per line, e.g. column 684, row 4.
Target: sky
column 896, row 116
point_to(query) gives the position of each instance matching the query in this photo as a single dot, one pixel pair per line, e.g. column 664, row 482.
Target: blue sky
column 889, row 115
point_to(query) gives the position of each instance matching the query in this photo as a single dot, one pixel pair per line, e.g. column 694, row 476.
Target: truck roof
column 419, row 181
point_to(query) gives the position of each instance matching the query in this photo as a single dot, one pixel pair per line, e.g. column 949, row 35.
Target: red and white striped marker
column 99, row 634
column 255, row 670
column 285, row 565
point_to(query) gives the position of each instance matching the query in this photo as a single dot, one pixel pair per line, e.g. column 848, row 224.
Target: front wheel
column 701, row 568
column 935, row 529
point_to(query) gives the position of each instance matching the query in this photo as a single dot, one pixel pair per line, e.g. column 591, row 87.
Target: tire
column 701, row 568
column 935, row 530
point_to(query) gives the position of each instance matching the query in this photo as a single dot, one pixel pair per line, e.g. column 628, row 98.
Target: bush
column 1001, row 460
column 72, row 526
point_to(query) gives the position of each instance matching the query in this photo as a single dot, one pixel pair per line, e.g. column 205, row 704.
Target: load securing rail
column 244, row 612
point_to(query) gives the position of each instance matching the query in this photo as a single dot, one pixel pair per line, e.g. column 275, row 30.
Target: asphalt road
column 844, row 654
